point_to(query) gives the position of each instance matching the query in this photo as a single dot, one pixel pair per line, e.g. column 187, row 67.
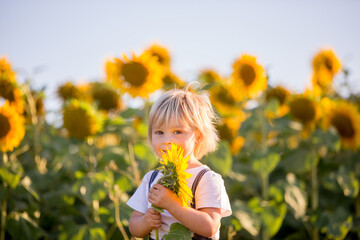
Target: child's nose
column 167, row 139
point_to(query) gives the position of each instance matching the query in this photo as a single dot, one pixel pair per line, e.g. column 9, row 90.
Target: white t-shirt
column 210, row 192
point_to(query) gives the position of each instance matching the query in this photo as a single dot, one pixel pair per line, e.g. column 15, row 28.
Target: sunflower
column 236, row 145
column 107, row 139
column 306, row 110
column 345, row 118
column 209, row 76
column 248, row 76
column 171, row 80
column 81, row 120
column 280, row 94
column 229, row 127
column 9, row 91
column 173, row 166
column 12, row 128
column 38, row 98
column 326, row 60
column 138, row 76
column 225, row 99
column 5, row 71
column 161, row 53
column 322, row 82
column 69, row 91
column 106, row 96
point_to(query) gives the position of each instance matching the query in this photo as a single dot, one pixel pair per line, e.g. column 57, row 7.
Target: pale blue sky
column 72, row 39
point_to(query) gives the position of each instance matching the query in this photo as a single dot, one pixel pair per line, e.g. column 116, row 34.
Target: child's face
column 174, row 132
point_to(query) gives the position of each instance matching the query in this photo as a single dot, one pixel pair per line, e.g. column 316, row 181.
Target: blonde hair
column 189, row 107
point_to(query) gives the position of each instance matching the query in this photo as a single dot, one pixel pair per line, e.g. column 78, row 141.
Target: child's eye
column 158, row 132
column 177, row 132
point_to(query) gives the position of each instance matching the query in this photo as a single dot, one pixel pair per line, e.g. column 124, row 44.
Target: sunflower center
column 225, row 97
column 4, row 126
column 7, row 90
column 134, row 73
column 277, row 94
column 328, row 64
column 168, row 79
column 160, row 59
column 303, row 109
column 247, row 74
column 343, row 125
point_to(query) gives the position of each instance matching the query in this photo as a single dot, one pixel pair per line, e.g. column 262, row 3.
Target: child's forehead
column 172, row 123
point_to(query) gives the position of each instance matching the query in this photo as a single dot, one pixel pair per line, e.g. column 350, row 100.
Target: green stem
column 134, row 164
column 92, row 157
column 117, row 218
column 314, row 198
column 111, row 231
column 265, row 187
column 264, row 151
column 357, row 211
column 157, row 234
column 357, row 200
column 5, row 158
column 3, row 218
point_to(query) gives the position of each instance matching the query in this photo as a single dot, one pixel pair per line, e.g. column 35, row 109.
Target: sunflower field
column 290, row 160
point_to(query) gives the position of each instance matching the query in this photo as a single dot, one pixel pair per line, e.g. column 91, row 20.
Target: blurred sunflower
column 326, row 60
column 173, row 166
column 236, row 145
column 306, row 110
column 171, row 80
column 325, row 65
column 138, row 76
column 161, row 53
column 225, row 99
column 12, row 128
column 81, row 120
column 6, row 72
column 322, row 82
column 345, row 118
column 38, row 98
column 280, row 94
column 107, row 139
column 69, row 91
column 209, row 76
column 229, row 127
column 10, row 91
column 248, row 76
column 106, row 96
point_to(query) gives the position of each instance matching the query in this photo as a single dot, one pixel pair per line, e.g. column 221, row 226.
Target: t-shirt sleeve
column 211, row 193
column 139, row 200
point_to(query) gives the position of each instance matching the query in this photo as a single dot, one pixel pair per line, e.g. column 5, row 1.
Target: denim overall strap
column 195, row 184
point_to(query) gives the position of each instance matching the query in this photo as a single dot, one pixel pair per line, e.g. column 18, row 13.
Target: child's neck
column 193, row 163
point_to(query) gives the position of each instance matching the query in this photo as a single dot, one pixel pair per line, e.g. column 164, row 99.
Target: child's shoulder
column 207, row 172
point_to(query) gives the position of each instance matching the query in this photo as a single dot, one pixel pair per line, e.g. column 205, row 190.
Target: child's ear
column 198, row 137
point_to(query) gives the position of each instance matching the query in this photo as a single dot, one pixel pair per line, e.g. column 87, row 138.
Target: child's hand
column 153, row 218
column 162, row 197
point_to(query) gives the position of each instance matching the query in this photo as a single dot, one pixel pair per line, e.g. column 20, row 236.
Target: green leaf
column 177, row 232
column 265, row 165
column 21, row 227
column 273, row 216
column 160, row 210
column 348, row 182
column 296, row 199
column 124, row 183
column 339, row 223
column 221, row 161
column 9, row 178
column 97, row 233
column 248, row 218
column 145, row 156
